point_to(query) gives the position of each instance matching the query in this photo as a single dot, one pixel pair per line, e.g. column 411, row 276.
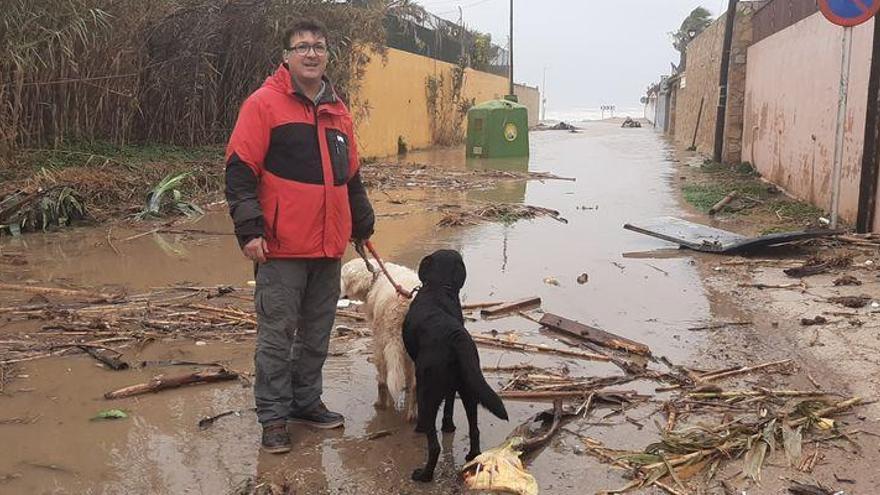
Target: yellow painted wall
column 531, row 98
column 394, row 90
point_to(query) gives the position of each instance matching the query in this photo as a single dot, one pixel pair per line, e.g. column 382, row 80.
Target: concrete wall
column 394, row 92
column 531, row 98
column 791, row 110
column 701, row 85
column 674, row 89
column 651, row 109
column 663, row 104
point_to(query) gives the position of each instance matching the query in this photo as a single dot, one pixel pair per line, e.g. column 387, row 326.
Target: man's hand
column 256, row 250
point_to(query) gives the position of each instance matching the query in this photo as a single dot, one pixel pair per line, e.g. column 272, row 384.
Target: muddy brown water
column 622, row 175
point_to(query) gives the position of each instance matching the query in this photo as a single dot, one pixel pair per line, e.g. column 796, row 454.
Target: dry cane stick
column 757, row 393
column 711, row 377
column 472, row 306
column 94, row 296
column 534, row 348
column 635, row 484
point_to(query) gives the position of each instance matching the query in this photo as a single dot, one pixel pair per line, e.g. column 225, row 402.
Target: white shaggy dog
column 386, row 311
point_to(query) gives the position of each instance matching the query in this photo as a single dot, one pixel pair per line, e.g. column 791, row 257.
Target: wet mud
column 622, row 175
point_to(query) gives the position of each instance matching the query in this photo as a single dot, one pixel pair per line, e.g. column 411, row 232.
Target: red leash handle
column 400, row 290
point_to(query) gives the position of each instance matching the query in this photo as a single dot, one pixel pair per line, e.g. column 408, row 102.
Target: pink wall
column 792, row 87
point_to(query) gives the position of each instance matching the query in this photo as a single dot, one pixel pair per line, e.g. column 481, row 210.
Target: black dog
column 446, row 357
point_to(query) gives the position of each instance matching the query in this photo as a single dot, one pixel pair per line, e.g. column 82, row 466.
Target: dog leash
column 359, row 247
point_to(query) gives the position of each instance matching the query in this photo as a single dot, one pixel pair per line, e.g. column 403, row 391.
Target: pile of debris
column 95, row 322
column 719, row 426
column 630, row 123
column 40, row 209
column 561, row 126
column 109, row 189
column 507, row 213
column 422, row 176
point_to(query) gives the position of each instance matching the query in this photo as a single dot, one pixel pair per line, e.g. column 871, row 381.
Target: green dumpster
column 497, row 129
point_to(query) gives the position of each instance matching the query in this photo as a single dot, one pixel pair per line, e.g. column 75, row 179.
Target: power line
column 438, row 2
column 463, row 7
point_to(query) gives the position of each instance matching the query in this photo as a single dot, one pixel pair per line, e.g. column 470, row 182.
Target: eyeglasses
column 303, row 49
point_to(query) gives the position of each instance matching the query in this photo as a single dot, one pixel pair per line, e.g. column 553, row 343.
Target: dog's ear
column 459, row 274
column 425, row 268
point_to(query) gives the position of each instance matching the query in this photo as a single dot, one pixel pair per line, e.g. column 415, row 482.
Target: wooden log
column 516, row 346
column 510, row 307
column 113, row 362
column 594, row 335
column 164, row 383
column 724, row 202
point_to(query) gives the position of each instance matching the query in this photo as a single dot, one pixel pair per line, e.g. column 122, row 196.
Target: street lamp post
column 510, row 54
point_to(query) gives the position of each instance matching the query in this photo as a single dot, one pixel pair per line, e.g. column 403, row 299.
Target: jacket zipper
column 275, row 223
column 318, row 135
column 314, row 106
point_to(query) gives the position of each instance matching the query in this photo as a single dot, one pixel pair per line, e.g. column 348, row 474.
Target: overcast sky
column 597, row 51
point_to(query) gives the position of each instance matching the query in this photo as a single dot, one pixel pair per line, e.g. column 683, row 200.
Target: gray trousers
column 296, row 306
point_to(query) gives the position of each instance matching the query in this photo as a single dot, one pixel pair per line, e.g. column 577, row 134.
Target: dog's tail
column 472, row 375
column 395, row 366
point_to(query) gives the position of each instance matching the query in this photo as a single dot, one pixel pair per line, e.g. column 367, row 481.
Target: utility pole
column 544, row 96
column 843, row 97
column 510, row 51
column 725, row 71
column 871, row 154
column 461, row 35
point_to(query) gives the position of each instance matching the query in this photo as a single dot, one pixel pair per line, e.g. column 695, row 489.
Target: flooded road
column 622, row 175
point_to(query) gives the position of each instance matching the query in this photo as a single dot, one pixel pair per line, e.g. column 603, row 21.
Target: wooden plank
column 594, row 335
column 509, row 307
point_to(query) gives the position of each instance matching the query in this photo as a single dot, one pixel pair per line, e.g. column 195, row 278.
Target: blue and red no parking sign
column 849, row 13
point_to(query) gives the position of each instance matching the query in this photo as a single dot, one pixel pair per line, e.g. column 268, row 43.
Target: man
column 296, row 198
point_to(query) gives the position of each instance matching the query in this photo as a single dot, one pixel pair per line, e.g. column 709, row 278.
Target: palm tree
column 695, row 23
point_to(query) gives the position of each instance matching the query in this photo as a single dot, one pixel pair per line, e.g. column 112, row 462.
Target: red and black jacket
column 293, row 174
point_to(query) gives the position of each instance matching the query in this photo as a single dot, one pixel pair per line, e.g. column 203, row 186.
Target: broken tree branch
column 113, row 362
column 164, row 383
column 724, row 202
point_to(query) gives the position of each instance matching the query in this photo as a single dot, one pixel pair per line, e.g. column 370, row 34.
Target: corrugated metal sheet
column 780, row 14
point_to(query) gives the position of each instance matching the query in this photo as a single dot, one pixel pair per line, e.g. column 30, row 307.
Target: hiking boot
column 276, row 440
column 319, row 417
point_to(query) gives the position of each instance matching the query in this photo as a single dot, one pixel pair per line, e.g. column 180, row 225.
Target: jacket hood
column 444, row 268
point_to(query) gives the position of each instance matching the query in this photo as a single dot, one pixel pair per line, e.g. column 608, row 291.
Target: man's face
column 307, row 56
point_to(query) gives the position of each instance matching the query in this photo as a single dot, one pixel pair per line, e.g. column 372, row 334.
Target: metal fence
column 777, row 15
column 431, row 36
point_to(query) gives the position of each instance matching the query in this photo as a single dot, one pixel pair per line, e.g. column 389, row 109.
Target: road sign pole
column 845, row 64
